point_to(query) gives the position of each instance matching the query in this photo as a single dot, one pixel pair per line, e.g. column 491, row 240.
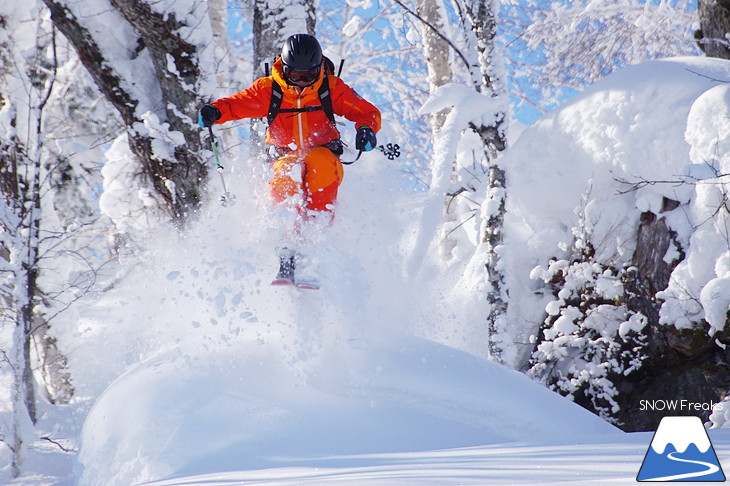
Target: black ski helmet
column 301, row 52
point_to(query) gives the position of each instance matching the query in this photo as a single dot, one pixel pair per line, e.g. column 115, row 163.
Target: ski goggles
column 301, row 77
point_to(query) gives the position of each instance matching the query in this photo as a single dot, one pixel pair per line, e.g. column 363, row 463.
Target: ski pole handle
column 214, row 144
column 227, row 198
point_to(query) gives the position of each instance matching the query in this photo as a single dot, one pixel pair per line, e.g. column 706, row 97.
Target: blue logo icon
column 681, row 451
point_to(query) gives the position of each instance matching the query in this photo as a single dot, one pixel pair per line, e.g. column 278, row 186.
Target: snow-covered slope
column 202, row 367
column 228, row 372
column 253, row 408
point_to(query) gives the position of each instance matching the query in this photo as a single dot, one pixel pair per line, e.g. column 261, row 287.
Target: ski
column 307, row 285
column 288, row 282
column 282, row 282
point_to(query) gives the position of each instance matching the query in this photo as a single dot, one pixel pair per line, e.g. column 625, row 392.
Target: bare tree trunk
column 53, row 366
column 714, row 18
column 31, row 296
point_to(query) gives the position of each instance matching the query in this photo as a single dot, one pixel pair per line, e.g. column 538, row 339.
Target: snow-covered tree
column 150, row 71
column 480, row 18
column 473, row 178
column 558, row 47
column 592, row 338
column 273, row 22
column 437, row 51
column 28, row 240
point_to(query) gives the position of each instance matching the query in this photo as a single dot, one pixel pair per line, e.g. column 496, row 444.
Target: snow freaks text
column 678, row 405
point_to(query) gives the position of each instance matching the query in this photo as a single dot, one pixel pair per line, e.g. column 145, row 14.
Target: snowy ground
column 194, row 371
column 594, row 461
column 227, row 372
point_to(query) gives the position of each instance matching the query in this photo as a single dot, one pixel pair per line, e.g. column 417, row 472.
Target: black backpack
column 325, row 101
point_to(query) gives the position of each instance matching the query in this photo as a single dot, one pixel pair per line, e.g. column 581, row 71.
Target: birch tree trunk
column 437, row 54
column 19, row 293
column 30, row 240
column 20, row 217
column 481, row 17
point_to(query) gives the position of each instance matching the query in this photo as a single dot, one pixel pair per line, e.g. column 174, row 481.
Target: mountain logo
column 681, row 451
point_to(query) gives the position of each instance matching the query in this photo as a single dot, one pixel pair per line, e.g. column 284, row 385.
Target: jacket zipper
column 299, row 119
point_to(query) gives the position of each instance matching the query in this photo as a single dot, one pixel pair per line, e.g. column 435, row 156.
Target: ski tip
column 282, row 282
column 307, row 286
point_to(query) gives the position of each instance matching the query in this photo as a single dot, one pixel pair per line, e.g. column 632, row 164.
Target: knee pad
column 322, row 178
column 288, row 177
column 322, row 169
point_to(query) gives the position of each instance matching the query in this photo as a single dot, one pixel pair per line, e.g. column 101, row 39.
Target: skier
column 300, row 99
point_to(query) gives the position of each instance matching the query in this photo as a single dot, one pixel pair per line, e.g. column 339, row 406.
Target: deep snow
column 201, row 373
column 253, row 408
column 228, row 372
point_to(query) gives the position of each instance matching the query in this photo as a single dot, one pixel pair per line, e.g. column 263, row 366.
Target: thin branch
column 58, row 444
column 707, row 77
column 437, row 32
column 462, row 223
column 641, row 182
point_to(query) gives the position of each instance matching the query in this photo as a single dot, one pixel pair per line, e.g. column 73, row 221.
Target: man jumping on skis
column 304, row 140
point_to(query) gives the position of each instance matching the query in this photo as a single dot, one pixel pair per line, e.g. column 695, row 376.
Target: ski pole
column 391, row 150
column 227, row 198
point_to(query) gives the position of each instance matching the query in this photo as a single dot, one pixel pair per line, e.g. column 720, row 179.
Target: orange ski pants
column 315, row 174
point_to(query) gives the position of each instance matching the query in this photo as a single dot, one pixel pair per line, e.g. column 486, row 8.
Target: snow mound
column 628, row 143
column 236, row 376
column 257, row 407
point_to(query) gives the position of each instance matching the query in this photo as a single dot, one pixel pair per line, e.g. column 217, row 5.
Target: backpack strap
column 325, row 101
column 275, row 104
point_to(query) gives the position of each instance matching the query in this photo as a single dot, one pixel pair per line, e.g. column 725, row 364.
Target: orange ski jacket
column 305, row 129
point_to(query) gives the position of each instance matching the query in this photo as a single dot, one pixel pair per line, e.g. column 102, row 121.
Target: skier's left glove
column 365, row 139
column 208, row 115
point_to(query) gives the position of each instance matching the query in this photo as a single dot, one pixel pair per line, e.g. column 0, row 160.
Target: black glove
column 365, row 139
column 208, row 114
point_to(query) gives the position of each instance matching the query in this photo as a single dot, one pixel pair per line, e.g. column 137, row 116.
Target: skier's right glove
column 365, row 139
column 208, row 115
